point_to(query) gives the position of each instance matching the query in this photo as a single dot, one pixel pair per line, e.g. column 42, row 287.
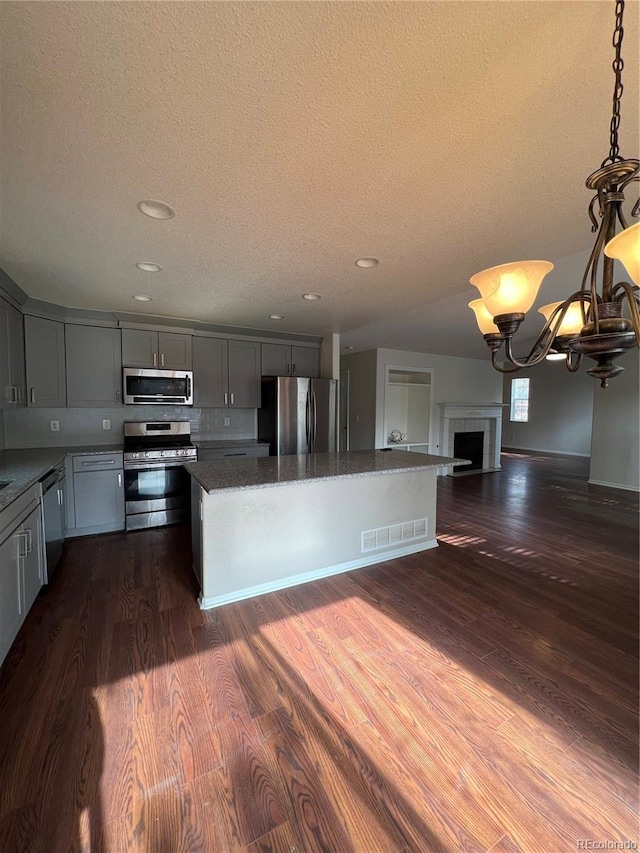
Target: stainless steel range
column 156, row 486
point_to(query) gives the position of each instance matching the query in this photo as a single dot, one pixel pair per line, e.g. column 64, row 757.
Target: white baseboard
column 317, row 574
column 507, row 449
column 614, row 485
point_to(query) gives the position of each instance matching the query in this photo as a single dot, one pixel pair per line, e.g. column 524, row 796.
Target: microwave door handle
column 188, row 388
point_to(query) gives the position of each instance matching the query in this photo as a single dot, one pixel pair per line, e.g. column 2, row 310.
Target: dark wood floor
column 478, row 697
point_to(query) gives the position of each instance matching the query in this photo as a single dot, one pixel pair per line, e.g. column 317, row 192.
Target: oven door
column 156, row 487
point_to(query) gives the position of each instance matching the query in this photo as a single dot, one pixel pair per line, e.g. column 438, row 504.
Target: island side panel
column 258, row 540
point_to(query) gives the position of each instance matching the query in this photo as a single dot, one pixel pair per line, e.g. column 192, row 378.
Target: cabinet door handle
column 22, row 543
column 33, row 395
column 232, row 398
column 161, row 359
column 29, row 540
column 155, row 359
column 119, row 480
column 60, row 497
column 226, row 399
column 101, row 462
column 293, row 372
column 118, row 395
column 288, row 369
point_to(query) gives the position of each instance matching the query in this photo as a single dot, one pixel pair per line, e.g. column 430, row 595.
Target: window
column 519, row 399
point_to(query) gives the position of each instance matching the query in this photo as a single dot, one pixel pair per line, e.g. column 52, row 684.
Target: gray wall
column 615, row 451
column 2, row 443
column 560, row 410
column 362, row 398
column 454, row 380
column 30, row 427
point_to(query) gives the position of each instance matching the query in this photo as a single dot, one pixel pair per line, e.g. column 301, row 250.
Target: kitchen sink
column 4, row 483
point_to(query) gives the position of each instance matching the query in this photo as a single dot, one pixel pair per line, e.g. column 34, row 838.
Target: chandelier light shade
column 573, row 320
column 601, row 319
column 626, row 249
column 511, row 288
column 483, row 318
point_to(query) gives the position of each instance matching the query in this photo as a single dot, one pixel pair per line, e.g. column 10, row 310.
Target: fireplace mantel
column 461, row 417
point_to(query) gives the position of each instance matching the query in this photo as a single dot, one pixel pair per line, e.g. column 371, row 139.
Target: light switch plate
column 54, row 426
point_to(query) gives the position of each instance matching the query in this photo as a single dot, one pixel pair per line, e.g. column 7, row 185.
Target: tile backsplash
column 77, row 427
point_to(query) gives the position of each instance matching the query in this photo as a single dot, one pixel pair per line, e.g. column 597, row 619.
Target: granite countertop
column 234, row 475
column 229, row 442
column 23, row 468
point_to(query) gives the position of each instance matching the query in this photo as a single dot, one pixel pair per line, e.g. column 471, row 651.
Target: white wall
column 362, row 399
column 560, row 410
column 453, row 380
column 615, row 450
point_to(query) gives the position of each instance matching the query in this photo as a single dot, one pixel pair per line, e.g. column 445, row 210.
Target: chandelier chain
column 618, row 65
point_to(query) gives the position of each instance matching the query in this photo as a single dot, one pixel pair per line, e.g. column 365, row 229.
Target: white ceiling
column 293, row 138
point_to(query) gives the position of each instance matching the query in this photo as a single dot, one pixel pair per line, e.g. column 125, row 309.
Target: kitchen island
column 264, row 524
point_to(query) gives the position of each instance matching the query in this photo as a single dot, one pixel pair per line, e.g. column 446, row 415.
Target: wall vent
column 393, row 535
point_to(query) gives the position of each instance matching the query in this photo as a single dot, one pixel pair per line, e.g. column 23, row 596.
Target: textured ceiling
column 293, row 138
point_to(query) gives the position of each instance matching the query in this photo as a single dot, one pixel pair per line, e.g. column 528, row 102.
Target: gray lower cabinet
column 11, row 609
column 45, row 363
column 144, row 348
column 226, row 373
column 21, row 564
column 284, row 360
column 12, row 394
column 32, row 561
column 98, row 494
column 94, row 366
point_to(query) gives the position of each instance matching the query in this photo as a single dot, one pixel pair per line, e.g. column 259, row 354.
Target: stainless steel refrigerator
column 298, row 415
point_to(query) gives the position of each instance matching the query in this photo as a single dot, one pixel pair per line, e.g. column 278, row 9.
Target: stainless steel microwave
column 157, row 387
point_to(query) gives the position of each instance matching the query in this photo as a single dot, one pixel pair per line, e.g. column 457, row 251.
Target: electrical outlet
column 54, row 426
column 106, row 423
column 227, row 421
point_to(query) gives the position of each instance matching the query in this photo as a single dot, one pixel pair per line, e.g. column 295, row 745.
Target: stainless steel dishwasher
column 53, row 509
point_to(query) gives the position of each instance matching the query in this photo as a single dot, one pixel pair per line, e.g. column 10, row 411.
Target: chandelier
column 591, row 321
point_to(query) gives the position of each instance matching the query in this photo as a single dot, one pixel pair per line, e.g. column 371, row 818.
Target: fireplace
column 469, row 445
column 485, row 418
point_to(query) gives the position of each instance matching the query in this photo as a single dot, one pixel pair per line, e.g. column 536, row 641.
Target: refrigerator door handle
column 307, row 414
column 315, row 418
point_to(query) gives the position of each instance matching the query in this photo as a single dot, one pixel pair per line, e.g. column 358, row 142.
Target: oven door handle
column 155, row 464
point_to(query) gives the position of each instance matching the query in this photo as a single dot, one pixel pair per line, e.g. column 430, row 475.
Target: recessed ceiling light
column 145, row 266
column 156, row 209
column 143, row 298
column 311, row 297
column 367, row 262
column 276, row 316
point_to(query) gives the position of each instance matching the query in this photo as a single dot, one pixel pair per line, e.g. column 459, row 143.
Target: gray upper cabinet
column 284, row 360
column 210, row 372
column 244, row 375
column 174, row 351
column 276, row 360
column 226, row 373
column 45, row 363
column 143, row 348
column 305, row 361
column 12, row 390
column 94, row 366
